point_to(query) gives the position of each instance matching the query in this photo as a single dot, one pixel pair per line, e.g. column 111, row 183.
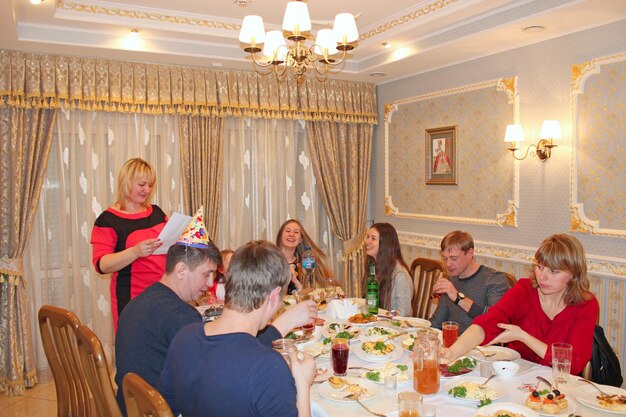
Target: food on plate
column 551, row 402
column 299, row 336
column 408, row 342
column 380, row 347
column 400, row 371
column 337, row 382
column 362, row 318
column 344, row 331
column 613, row 402
column 469, row 390
column 319, row 348
column 459, row 367
column 502, row 413
column 380, row 331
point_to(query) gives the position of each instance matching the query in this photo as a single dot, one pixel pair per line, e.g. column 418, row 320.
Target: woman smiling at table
column 553, row 305
column 395, row 284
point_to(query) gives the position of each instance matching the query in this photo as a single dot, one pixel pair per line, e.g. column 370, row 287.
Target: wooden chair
column 142, row 399
column 424, row 272
column 511, row 278
column 57, row 327
column 96, row 372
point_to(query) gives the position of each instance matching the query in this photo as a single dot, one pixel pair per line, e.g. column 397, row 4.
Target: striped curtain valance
column 53, row 81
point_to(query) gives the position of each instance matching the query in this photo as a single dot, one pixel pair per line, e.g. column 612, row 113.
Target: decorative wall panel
column 598, row 181
column 487, row 179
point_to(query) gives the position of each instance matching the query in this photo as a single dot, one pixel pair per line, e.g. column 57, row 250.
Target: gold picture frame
column 441, row 156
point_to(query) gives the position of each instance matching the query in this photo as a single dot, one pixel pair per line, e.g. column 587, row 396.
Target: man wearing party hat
column 149, row 322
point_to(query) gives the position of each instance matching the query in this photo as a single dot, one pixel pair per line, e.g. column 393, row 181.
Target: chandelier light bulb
column 325, row 42
column 252, row 30
column 345, row 28
column 297, row 18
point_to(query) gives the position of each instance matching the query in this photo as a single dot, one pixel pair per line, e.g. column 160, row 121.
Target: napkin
column 341, row 309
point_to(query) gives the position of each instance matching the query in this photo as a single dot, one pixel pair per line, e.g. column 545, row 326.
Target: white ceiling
column 425, row 34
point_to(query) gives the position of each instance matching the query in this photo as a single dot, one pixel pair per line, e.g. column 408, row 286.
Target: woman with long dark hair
column 395, row 286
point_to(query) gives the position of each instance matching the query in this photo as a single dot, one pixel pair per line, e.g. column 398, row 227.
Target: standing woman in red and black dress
column 125, row 235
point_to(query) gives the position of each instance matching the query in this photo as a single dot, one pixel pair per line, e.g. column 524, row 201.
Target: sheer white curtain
column 268, row 178
column 88, row 150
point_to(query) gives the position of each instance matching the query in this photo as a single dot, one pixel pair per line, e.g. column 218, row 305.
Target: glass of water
column 561, row 362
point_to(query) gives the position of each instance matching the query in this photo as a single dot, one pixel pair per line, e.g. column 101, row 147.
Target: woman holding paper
column 125, row 236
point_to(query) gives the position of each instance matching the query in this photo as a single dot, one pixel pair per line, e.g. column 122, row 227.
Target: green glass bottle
column 371, row 294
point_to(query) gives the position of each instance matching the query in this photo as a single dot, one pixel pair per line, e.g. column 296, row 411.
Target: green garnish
column 402, row 368
column 326, row 341
column 460, row 392
column 396, row 323
column 334, row 326
column 458, row 366
column 543, row 392
column 484, row 402
column 373, row 376
column 291, row 335
column 367, row 315
column 380, row 346
column 344, row 335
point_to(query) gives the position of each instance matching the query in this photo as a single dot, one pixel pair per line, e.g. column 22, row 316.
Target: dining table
column 511, row 390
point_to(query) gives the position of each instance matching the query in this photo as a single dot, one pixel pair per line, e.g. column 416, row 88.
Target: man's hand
column 303, row 368
column 296, row 316
column 444, row 286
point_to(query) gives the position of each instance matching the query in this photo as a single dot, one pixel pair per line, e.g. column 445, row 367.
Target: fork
column 484, row 384
column 356, row 397
column 482, row 352
column 595, row 386
column 361, row 367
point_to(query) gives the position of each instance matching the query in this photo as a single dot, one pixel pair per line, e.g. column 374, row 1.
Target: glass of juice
column 450, row 332
column 339, row 358
column 307, row 329
column 409, row 404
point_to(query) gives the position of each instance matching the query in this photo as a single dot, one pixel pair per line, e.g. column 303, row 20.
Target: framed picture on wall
column 441, row 155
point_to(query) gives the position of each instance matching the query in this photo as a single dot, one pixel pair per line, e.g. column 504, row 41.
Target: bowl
column 505, row 368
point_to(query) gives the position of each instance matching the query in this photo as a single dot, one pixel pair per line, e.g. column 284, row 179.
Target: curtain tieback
column 13, row 267
column 352, row 246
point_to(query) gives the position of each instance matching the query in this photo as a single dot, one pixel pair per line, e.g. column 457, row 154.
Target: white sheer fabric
column 268, row 178
column 87, row 153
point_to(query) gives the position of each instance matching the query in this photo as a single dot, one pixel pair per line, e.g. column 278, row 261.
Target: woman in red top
column 553, row 305
column 125, row 235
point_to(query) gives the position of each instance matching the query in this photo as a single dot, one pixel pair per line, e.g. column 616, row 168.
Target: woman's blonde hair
column 135, row 167
column 566, row 253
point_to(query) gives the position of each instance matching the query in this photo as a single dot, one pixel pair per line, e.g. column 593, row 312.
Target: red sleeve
column 103, row 240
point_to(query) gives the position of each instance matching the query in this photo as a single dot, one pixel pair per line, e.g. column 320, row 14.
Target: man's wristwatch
column 459, row 296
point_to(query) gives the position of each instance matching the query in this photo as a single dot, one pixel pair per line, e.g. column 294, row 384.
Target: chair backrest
column 424, row 272
column 142, row 399
column 57, row 327
column 96, row 372
column 511, row 278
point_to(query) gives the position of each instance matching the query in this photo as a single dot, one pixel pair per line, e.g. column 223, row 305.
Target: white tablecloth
column 386, row 401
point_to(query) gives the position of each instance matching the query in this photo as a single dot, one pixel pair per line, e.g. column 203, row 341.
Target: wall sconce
column 551, row 130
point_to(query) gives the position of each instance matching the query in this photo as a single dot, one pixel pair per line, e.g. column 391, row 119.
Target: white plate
column 571, row 407
column 490, row 409
column 328, row 332
column 361, row 354
column 326, row 391
column 501, row 354
column 366, row 332
column 460, row 375
column 409, row 372
column 317, row 333
column 416, row 323
column 371, row 323
column 499, row 393
column 586, row 394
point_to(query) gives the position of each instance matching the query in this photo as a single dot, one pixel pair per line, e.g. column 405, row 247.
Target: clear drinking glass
column 283, row 346
column 561, row 362
column 409, row 404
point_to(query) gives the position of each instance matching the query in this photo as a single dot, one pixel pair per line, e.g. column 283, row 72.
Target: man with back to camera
column 151, row 320
column 220, row 368
column 470, row 288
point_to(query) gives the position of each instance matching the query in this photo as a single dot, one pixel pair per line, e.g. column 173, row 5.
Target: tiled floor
column 37, row 401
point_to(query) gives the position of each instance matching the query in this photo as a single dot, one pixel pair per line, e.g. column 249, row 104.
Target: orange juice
column 409, row 413
column 426, row 380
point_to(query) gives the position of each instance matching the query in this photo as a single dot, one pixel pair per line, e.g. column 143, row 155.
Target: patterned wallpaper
column 599, row 163
column 485, row 177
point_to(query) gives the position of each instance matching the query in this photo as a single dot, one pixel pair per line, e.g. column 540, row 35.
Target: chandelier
column 328, row 51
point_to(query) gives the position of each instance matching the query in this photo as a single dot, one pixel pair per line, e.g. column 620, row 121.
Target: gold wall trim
column 581, row 72
column 606, row 266
column 407, row 18
column 127, row 13
column 510, row 214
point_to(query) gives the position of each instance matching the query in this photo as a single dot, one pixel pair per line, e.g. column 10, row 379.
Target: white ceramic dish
column 490, row 409
column 407, row 375
column 326, row 391
column 470, row 373
column 415, row 323
column 586, row 395
column 498, row 392
column 352, row 329
column 571, row 407
column 361, row 354
column 501, row 354
column 505, row 369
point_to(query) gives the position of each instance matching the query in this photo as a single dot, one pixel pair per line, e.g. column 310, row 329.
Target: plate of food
column 378, row 331
column 505, row 409
column 321, row 348
column 341, row 330
column 302, row 336
column 381, row 350
column 494, row 354
column 409, row 340
column 467, row 389
column 550, row 403
column 461, row 366
column 614, row 402
column 363, row 319
column 408, row 323
column 378, row 373
column 337, row 388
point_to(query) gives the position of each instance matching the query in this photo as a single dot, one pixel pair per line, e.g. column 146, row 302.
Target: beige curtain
column 201, row 152
column 25, row 138
column 341, row 155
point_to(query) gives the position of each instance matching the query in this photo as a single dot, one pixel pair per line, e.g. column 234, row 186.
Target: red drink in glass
column 339, row 357
column 450, row 331
column 307, row 329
